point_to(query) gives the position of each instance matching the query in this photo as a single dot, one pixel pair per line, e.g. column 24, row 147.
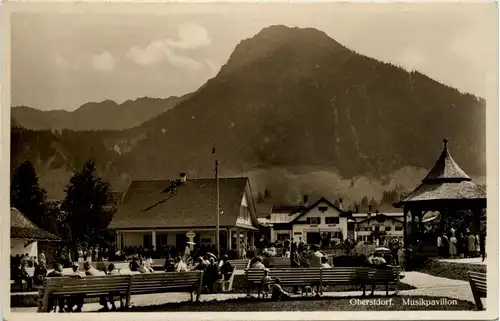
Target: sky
column 61, row 59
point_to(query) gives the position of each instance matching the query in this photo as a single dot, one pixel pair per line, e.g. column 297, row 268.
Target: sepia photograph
column 252, row 157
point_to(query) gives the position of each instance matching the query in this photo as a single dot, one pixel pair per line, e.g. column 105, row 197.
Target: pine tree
column 85, row 206
column 26, row 194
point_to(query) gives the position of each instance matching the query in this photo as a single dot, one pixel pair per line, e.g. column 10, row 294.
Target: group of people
column 454, row 245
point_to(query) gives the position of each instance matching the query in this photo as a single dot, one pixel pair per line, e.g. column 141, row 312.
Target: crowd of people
column 455, row 245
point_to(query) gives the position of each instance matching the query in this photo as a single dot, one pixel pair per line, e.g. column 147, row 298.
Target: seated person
column 58, row 272
column 278, row 293
column 134, row 264
column 75, row 300
column 265, row 284
column 226, row 268
column 180, row 265
column 170, row 265
column 258, row 264
column 40, row 273
column 324, row 263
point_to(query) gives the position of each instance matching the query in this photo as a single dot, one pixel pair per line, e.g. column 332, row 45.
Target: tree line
column 80, row 219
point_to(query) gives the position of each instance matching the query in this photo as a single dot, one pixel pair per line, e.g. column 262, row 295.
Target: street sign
column 190, row 234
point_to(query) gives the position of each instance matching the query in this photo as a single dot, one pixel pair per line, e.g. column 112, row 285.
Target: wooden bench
column 120, row 285
column 240, row 264
column 477, row 282
column 362, row 276
column 320, row 277
column 280, row 263
column 288, row 277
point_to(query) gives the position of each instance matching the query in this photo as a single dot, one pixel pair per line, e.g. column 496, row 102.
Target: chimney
column 341, row 206
column 183, row 178
column 305, row 200
column 376, row 212
column 369, row 210
column 357, row 209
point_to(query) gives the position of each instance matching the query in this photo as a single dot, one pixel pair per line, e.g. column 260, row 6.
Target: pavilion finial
column 445, row 141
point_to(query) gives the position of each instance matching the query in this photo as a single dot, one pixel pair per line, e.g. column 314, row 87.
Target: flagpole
column 217, row 214
column 217, row 241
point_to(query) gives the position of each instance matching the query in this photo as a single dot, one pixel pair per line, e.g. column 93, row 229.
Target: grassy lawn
column 312, row 304
column 450, row 270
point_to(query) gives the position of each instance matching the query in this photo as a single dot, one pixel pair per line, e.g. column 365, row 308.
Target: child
column 278, row 292
column 265, row 284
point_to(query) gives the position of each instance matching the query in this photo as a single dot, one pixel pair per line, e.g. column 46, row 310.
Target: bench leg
column 387, row 289
column 363, row 286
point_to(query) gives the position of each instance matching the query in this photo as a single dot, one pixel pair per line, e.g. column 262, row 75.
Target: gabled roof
column 22, row 228
column 374, row 217
column 170, row 204
column 323, row 199
column 446, row 169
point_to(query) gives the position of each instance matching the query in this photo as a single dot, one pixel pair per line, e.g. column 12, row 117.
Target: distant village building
column 25, row 235
column 310, row 223
column 163, row 212
column 373, row 223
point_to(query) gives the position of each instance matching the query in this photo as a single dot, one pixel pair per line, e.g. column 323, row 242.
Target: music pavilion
column 166, row 212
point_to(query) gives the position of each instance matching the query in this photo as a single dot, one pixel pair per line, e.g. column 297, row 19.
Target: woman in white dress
column 453, row 246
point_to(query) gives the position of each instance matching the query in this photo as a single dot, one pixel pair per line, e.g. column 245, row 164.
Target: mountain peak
column 297, row 43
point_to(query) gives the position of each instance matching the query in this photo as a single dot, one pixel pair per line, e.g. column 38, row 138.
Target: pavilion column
column 153, row 239
column 229, row 239
column 238, row 241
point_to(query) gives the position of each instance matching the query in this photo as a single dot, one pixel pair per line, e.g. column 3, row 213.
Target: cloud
column 103, row 61
column 190, row 36
column 158, row 51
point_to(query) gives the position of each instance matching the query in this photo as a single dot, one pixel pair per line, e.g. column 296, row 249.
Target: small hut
column 446, row 189
column 24, row 235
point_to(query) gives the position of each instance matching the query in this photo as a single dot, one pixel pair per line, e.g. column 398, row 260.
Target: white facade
column 322, row 218
column 21, row 246
column 392, row 225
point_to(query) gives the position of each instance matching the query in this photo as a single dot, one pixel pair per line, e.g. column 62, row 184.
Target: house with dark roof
column 165, row 212
column 24, row 234
column 310, row 223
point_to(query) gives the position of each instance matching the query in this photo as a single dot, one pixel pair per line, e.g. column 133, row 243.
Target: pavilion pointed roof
column 446, row 183
column 446, row 169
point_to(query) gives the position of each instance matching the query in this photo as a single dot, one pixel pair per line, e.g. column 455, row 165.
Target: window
column 399, row 227
column 314, row 220
column 332, row 220
column 323, row 209
column 388, row 228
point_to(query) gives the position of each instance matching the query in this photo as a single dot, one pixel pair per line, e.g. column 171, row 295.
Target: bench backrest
column 280, row 262
column 87, row 285
column 328, row 275
column 477, row 281
column 286, row 275
column 239, row 264
column 156, row 282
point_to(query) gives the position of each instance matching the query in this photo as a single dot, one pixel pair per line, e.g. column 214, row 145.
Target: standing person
column 478, row 249
column 446, row 245
column 41, row 258
column 40, row 273
column 453, row 246
column 187, row 252
column 265, row 283
column 440, row 246
column 401, row 256
column 482, row 244
column 471, row 245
